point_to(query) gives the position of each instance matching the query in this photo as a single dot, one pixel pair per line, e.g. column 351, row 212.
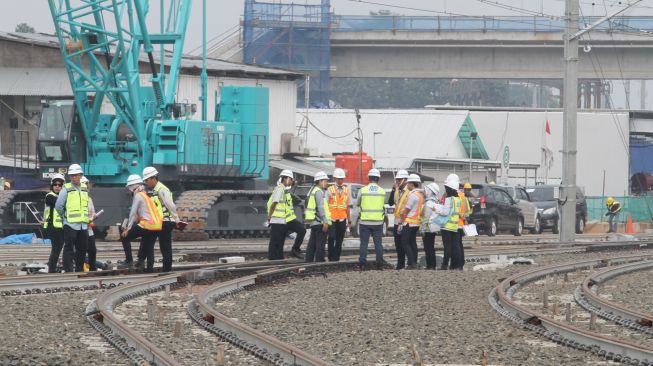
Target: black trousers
column 428, row 239
column 75, row 242
column 316, row 242
column 56, row 239
column 337, row 232
column 401, row 255
column 165, row 245
column 461, row 234
column 91, row 249
column 277, row 239
column 297, row 227
column 409, row 243
column 146, row 249
column 450, row 240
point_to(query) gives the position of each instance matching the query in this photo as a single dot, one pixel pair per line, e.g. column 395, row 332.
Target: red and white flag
column 547, row 153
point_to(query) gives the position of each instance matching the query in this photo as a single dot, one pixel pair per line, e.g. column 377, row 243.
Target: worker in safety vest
column 372, row 216
column 72, row 205
column 465, row 212
column 451, row 210
column 410, row 219
column 91, row 249
column 53, row 222
column 430, row 228
column 318, row 218
column 277, row 206
column 162, row 198
column 338, row 198
column 398, row 199
column 614, row 207
column 145, row 222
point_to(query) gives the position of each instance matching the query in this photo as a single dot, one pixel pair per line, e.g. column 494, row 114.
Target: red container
column 351, row 162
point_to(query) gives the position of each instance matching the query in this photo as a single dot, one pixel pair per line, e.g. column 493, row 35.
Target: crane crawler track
column 222, row 214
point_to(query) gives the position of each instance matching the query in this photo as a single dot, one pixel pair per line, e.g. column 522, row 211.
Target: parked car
column 528, row 209
column 494, row 210
column 543, row 197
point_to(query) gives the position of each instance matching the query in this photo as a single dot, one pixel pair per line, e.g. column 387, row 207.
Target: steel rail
column 137, row 348
column 501, row 299
column 586, row 295
column 256, row 342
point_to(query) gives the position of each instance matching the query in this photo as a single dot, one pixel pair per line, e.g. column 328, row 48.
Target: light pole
column 472, row 138
column 374, row 145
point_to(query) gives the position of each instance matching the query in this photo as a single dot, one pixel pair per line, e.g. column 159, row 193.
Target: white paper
column 470, row 230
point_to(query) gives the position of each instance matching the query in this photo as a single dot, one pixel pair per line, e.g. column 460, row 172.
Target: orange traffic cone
column 629, row 225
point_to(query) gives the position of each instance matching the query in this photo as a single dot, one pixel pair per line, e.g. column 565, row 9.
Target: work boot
column 139, row 265
column 297, row 253
column 361, row 267
column 379, row 266
column 125, row 265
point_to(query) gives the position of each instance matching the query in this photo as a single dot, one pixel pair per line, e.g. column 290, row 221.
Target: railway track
column 587, row 296
column 503, row 299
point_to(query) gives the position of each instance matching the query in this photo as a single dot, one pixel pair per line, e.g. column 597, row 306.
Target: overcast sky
column 224, row 15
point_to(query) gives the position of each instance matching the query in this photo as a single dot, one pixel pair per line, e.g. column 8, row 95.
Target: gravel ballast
column 52, row 330
column 632, row 290
column 194, row 346
column 378, row 316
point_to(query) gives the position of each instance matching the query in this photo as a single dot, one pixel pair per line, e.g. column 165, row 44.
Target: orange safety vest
column 399, row 205
column 463, row 208
column 156, row 219
column 416, row 219
column 338, row 203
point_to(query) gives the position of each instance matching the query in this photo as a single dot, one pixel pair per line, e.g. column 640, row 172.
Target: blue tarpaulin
column 23, row 239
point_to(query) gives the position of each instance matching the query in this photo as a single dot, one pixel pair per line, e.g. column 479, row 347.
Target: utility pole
column 567, row 200
column 568, row 185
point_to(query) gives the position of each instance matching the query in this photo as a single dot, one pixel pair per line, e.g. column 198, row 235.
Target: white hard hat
column 84, row 179
column 287, row 173
column 134, row 179
column 75, row 169
column 320, row 176
column 452, row 181
column 434, row 188
column 149, row 172
column 414, row 178
column 57, row 176
column 401, row 174
column 339, row 173
column 374, row 173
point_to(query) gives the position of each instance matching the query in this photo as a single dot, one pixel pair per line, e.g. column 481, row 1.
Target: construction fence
column 640, row 207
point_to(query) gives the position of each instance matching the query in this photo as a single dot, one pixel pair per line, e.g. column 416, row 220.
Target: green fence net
column 640, row 207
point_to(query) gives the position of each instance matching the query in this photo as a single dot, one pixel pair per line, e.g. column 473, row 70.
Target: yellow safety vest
column 57, row 222
column 416, row 219
column 372, row 201
column 400, row 202
column 163, row 210
column 76, row 204
column 311, row 207
column 290, row 208
column 280, row 208
column 156, row 219
column 452, row 223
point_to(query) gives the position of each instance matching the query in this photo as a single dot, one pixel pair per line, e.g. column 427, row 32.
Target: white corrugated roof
column 405, row 134
column 34, row 81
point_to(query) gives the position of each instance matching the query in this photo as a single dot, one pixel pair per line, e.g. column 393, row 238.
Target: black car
column 543, row 197
column 494, row 210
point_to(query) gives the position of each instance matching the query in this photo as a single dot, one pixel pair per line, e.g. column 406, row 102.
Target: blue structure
column 291, row 36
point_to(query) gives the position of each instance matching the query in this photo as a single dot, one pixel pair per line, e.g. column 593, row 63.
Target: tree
column 24, row 28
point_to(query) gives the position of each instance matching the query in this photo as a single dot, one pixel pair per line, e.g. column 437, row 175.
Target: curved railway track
column 502, row 299
column 586, row 295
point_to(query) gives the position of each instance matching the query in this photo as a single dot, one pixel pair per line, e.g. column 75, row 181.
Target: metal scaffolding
column 293, row 37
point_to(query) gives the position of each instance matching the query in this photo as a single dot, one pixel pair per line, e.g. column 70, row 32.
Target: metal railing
column 535, row 24
column 21, row 153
